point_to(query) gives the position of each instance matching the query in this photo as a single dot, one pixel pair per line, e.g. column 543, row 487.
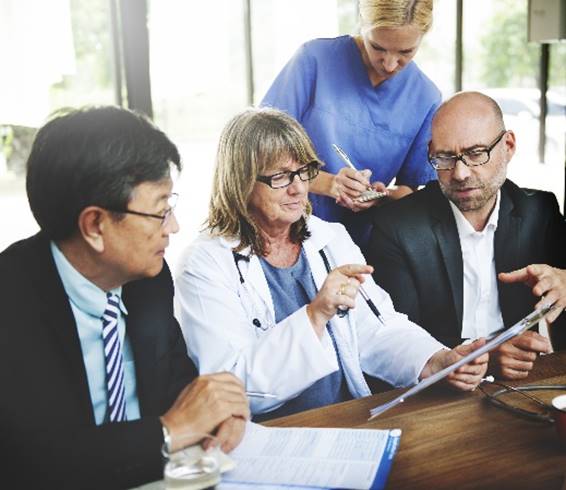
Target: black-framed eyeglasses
column 283, row 179
column 165, row 217
column 471, row 158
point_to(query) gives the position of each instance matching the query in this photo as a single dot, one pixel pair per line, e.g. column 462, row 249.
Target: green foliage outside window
column 508, row 59
column 93, row 81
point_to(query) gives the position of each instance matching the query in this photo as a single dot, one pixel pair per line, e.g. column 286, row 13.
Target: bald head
column 465, row 120
column 464, row 107
column 470, row 126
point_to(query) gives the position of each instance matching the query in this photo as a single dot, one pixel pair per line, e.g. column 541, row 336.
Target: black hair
column 93, row 156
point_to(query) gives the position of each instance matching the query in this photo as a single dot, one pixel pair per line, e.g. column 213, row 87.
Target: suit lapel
column 144, row 347
column 148, row 302
column 59, row 318
column 446, row 233
column 506, row 241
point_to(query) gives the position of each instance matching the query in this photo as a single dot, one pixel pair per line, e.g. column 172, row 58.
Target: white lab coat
column 230, row 326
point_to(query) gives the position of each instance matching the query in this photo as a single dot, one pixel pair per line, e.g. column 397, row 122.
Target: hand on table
column 203, row 406
column 229, row 434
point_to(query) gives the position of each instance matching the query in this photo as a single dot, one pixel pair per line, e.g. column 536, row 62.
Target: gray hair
column 252, row 142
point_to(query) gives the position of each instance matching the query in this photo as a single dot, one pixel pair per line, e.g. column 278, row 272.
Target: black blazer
column 48, row 434
column 415, row 250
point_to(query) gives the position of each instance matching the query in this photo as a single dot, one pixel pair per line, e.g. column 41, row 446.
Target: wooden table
column 458, row 440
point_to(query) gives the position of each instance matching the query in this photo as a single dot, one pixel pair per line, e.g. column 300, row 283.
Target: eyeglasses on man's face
column 471, row 158
column 283, row 179
column 164, row 218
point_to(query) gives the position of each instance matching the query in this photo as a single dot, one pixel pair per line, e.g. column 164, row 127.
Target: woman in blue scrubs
column 366, row 95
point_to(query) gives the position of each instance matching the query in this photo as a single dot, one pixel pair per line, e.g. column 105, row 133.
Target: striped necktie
column 114, row 363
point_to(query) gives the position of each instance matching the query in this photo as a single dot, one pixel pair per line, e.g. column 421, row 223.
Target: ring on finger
column 342, row 290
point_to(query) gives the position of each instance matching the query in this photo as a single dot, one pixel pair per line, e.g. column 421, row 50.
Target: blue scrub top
column 325, row 86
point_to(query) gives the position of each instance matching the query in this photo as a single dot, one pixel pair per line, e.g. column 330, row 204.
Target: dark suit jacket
column 415, row 250
column 48, row 434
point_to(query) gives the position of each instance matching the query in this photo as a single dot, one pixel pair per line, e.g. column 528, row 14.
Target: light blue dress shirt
column 88, row 303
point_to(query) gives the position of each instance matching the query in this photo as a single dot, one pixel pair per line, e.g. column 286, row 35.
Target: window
column 500, row 62
column 436, row 56
column 198, row 82
column 277, row 32
column 198, row 76
column 57, row 53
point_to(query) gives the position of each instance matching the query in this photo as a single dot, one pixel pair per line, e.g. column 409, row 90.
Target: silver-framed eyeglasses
column 472, row 158
column 284, row 179
column 165, row 217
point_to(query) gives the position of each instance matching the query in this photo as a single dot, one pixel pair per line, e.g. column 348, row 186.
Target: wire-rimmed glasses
column 165, row 217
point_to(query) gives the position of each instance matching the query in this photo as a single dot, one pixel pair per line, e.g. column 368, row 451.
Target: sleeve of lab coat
column 394, row 349
column 220, row 336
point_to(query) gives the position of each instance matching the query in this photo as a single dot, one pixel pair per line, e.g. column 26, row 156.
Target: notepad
column 270, row 457
column 370, row 195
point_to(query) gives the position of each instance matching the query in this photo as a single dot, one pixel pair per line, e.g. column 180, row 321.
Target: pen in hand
column 345, row 158
column 257, row 394
column 371, row 193
column 370, row 304
column 342, row 312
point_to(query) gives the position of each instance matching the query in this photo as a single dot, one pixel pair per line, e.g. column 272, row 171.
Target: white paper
column 345, row 458
column 521, row 326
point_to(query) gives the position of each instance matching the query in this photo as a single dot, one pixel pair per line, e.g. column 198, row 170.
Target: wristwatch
column 166, row 440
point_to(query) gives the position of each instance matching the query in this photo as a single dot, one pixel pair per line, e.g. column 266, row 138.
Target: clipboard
column 523, row 325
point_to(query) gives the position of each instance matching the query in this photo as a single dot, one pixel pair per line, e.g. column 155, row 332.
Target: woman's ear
column 92, row 224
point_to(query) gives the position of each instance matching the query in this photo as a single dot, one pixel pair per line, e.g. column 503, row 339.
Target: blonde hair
column 396, row 13
column 252, row 142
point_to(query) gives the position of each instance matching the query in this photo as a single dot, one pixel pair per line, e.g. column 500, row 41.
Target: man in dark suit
column 438, row 251
column 93, row 366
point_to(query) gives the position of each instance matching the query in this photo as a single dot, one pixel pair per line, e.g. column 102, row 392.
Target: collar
column 84, row 294
column 321, row 234
column 465, row 229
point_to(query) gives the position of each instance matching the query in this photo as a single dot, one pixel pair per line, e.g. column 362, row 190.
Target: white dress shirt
column 482, row 314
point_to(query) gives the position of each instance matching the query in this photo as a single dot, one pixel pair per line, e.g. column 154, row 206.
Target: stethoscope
column 341, row 312
column 237, row 257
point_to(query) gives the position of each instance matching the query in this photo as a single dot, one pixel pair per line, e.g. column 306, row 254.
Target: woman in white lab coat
column 272, row 294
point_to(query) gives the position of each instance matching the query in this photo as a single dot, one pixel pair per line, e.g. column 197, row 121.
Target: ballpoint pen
column 256, row 394
column 368, row 195
column 343, row 311
column 370, row 303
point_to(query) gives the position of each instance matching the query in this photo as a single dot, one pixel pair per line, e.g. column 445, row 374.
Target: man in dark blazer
column 438, row 251
column 81, row 408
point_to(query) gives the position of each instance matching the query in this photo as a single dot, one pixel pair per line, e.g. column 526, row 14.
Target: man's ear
column 92, row 224
column 510, row 144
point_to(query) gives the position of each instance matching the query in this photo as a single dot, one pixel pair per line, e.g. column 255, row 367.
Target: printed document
column 326, row 458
